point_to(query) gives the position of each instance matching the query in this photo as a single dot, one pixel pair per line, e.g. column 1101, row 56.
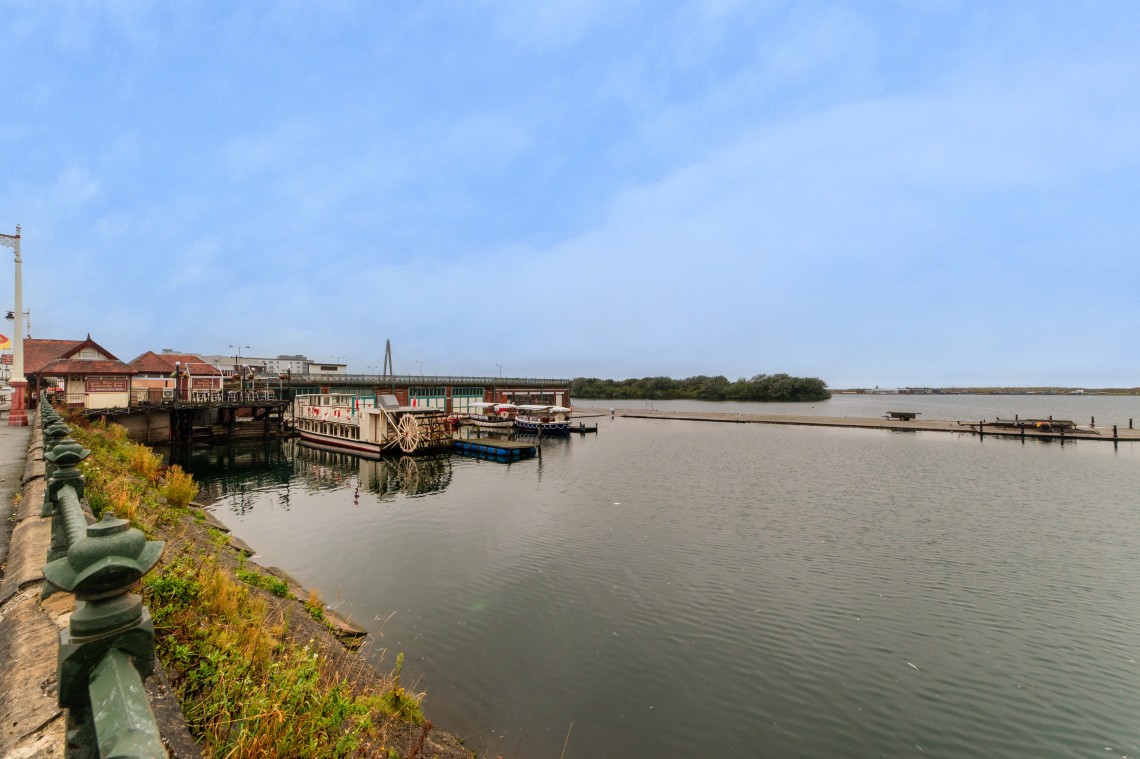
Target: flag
column 5, row 343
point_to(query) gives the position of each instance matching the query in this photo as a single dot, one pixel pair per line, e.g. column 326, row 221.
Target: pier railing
column 107, row 649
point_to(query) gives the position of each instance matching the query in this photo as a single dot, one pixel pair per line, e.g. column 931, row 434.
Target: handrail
column 107, row 649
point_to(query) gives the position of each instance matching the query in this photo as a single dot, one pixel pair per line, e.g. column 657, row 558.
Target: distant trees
column 762, row 387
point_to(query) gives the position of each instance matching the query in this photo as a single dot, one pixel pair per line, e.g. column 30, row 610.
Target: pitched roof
column 152, row 363
column 38, row 353
column 83, row 366
column 57, row 357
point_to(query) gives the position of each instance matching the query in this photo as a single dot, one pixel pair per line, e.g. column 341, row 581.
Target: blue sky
column 873, row 193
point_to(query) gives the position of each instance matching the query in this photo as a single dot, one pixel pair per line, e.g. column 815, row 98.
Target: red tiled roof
column 152, row 363
column 54, row 357
column 77, row 366
column 38, row 353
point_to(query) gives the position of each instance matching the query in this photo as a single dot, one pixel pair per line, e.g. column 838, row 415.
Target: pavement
column 13, row 454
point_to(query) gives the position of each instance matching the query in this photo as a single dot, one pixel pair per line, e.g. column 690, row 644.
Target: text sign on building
column 6, row 358
column 105, row 384
column 202, row 383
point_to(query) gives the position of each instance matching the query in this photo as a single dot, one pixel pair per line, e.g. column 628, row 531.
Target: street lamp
column 18, row 416
column 237, row 358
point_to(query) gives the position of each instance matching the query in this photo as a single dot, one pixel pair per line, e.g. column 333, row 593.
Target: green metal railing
column 107, row 649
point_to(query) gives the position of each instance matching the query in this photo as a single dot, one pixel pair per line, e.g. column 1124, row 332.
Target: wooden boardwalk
column 1100, row 433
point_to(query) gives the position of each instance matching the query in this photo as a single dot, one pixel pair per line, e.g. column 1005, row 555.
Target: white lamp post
column 18, row 416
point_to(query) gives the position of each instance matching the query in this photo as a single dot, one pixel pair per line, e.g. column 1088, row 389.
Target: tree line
column 762, row 387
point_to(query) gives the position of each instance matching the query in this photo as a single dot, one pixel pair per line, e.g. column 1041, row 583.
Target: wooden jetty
column 504, row 451
column 1062, row 430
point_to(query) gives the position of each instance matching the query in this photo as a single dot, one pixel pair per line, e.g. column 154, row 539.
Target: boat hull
column 546, row 428
column 361, row 448
column 497, row 424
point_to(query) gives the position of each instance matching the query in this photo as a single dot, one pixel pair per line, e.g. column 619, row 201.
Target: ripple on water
column 679, row 589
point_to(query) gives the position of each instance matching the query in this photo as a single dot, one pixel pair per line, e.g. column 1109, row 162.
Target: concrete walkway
column 13, row 452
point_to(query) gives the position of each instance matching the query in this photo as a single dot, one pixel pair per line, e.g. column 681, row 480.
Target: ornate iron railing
column 107, row 649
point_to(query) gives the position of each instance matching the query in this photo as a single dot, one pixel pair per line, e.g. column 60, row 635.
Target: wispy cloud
column 701, row 187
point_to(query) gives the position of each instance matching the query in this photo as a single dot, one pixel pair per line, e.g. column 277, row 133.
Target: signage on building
column 6, row 358
column 105, row 384
column 202, row 383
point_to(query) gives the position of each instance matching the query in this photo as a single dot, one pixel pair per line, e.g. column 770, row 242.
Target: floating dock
column 504, row 451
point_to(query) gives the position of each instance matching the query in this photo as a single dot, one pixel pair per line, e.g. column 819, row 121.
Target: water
column 679, row 589
column 1106, row 409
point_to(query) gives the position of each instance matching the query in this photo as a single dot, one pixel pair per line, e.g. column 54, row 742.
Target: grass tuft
column 178, row 488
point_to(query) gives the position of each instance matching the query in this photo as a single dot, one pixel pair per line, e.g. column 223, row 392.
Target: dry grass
column 247, row 685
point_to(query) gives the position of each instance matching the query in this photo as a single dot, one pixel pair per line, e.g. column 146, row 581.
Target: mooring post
column 1115, row 437
column 982, row 428
column 1022, row 427
column 1129, row 422
column 1092, row 421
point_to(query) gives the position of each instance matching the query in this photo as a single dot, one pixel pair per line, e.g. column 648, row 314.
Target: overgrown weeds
column 246, row 686
column 243, row 686
column 178, row 487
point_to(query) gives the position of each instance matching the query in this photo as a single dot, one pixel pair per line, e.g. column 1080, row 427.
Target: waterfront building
column 169, row 375
column 86, row 373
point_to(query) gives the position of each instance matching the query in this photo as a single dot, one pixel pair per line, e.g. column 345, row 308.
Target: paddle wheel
column 417, row 431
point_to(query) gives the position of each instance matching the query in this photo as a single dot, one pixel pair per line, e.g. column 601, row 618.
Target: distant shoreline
column 993, row 391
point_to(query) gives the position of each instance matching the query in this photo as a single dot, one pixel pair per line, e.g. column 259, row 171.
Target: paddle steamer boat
column 369, row 425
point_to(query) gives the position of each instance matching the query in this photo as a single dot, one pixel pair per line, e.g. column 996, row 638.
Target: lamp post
column 237, row 370
column 18, row 416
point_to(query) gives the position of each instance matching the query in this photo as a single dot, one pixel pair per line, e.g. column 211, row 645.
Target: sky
column 912, row 193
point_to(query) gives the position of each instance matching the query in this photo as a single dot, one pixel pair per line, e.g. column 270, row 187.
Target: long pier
column 985, row 428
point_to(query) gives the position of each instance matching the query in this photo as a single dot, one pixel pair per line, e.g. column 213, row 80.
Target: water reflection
column 235, row 467
column 410, row 475
column 237, row 470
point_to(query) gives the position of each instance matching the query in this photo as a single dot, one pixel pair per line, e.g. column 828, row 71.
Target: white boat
column 493, row 416
column 369, row 425
column 546, row 420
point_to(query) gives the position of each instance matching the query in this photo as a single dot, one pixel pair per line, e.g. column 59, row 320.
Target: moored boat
column 369, row 425
column 495, row 416
column 546, row 420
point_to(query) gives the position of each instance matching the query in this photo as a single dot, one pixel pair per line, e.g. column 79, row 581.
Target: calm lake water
column 680, row 589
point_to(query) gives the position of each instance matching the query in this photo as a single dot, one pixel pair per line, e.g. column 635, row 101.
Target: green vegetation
column 248, row 684
column 762, row 387
column 274, row 585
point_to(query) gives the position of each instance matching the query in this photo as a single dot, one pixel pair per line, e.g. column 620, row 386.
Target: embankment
column 256, row 664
